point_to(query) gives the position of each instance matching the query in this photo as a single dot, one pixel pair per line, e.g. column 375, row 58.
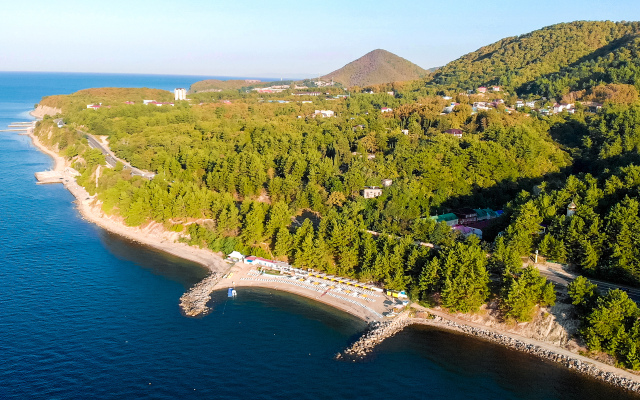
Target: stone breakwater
column 380, row 331
column 567, row 361
column 194, row 302
column 377, row 333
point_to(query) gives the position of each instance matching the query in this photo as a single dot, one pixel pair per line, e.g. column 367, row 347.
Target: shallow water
column 87, row 314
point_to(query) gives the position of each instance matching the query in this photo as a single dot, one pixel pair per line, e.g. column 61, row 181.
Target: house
column 447, row 97
column 467, row 231
column 60, row 123
column 450, row 219
column 225, row 101
column 94, row 106
column 391, row 93
column 466, row 215
column 308, row 94
column 386, row 110
column 405, row 131
column 253, row 260
column 387, row 182
column 495, row 88
column 145, row 102
column 484, row 214
column 455, row 132
column 324, row 113
column 531, row 104
column 519, row 103
column 481, row 89
column 480, row 105
column 371, row 192
column 129, row 102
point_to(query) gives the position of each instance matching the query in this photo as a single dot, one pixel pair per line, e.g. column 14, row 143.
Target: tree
column 523, row 290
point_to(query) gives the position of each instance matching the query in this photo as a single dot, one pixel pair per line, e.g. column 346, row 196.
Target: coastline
column 152, row 234
column 155, row 236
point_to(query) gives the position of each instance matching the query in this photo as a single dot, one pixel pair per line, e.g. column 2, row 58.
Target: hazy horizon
column 257, row 39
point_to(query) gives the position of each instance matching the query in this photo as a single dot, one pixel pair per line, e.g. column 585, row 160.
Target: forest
column 264, row 174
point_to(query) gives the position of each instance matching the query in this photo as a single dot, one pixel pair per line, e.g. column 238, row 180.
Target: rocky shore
column 574, row 363
column 194, row 302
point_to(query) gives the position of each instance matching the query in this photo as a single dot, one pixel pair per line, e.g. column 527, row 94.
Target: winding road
column 111, row 158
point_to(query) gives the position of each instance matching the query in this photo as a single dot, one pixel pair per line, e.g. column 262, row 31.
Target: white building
column 180, row 93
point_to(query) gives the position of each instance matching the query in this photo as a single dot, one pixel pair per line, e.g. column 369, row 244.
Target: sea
column 85, row 314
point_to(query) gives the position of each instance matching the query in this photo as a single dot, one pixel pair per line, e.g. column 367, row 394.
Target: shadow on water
column 160, row 263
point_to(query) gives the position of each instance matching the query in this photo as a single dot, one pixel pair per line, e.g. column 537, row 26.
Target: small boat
column 231, row 292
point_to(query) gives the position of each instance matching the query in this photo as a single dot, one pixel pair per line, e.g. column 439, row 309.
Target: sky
column 275, row 38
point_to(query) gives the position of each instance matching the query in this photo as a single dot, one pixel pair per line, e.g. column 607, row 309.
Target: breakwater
column 378, row 332
column 193, row 303
column 574, row 363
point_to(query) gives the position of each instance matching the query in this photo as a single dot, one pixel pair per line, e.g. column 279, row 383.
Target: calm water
column 85, row 314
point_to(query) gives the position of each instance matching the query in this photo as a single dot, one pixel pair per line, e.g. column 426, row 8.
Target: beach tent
column 237, row 256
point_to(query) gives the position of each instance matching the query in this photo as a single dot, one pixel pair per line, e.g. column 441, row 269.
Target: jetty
column 194, row 302
column 23, row 128
column 377, row 333
column 55, row 176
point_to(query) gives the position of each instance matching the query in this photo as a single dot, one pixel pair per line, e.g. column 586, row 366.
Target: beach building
column 253, row 260
column 449, row 218
column 180, row 94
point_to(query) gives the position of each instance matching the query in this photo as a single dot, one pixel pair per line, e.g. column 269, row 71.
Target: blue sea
column 85, row 314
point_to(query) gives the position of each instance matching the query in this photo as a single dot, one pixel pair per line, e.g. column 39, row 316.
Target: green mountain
column 376, row 67
column 548, row 61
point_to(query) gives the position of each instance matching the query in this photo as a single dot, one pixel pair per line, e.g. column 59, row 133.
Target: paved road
column 111, row 159
column 555, row 273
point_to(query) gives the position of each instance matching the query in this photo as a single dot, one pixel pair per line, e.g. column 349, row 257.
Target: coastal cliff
column 42, row 110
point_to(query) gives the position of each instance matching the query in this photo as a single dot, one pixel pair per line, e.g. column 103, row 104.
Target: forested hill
column 526, row 63
column 376, row 67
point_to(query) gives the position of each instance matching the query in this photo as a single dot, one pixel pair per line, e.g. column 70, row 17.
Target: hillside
column 376, row 67
column 108, row 96
column 517, row 62
column 215, row 85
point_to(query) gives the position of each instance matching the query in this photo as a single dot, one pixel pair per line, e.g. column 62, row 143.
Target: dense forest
column 266, row 175
column 551, row 61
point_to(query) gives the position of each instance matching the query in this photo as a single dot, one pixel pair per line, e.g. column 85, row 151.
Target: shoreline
column 151, row 234
column 155, row 236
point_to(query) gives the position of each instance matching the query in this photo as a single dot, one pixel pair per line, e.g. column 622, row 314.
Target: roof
column 444, row 217
column 454, row 131
column 254, row 258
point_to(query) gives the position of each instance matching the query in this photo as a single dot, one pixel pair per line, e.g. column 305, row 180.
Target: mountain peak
column 376, row 67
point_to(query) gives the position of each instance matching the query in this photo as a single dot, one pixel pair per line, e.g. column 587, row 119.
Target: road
column 555, row 273
column 111, row 158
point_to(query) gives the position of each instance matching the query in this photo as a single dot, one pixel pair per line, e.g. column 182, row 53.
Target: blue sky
column 277, row 38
